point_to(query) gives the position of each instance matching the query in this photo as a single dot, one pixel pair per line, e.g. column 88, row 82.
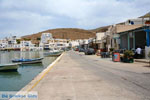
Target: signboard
column 116, row 57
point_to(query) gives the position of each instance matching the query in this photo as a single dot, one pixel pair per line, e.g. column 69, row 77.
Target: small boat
column 9, row 67
column 28, row 61
column 53, row 53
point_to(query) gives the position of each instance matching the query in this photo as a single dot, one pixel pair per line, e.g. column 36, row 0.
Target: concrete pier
column 79, row 77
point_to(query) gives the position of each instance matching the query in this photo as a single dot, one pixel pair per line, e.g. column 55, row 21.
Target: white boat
column 53, row 52
column 9, row 67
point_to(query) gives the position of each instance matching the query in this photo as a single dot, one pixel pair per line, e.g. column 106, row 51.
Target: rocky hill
column 100, row 29
column 66, row 33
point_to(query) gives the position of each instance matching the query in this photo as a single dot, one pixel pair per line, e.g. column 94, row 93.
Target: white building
column 45, row 37
column 74, row 43
column 61, row 43
column 3, row 43
column 99, row 36
column 55, row 43
column 27, row 46
column 47, row 42
column 99, row 39
column 83, row 43
column 137, row 21
column 9, row 43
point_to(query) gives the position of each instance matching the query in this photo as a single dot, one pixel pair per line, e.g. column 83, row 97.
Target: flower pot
column 128, row 60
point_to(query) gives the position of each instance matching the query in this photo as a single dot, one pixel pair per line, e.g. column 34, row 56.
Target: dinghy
column 28, row 61
column 9, row 67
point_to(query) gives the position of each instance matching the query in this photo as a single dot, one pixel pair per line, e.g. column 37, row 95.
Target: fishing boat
column 53, row 53
column 9, row 67
column 28, row 61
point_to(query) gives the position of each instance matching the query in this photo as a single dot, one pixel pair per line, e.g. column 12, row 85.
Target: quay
column 76, row 76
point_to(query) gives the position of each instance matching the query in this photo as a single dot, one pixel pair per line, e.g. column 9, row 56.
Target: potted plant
column 128, row 56
column 111, row 49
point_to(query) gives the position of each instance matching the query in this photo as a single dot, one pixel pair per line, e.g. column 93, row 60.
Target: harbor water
column 14, row 81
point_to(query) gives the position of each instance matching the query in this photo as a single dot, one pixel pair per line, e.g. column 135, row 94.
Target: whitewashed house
column 45, row 37
column 74, row 43
column 61, row 43
column 99, row 37
column 3, row 43
column 27, row 46
column 136, row 21
column 10, row 43
column 44, row 43
column 48, row 42
column 143, row 20
column 84, row 43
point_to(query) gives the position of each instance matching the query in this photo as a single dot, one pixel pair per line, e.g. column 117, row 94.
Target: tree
column 18, row 41
column 26, row 39
column 38, row 38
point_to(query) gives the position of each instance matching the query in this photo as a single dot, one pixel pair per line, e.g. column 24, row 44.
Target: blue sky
column 23, row 17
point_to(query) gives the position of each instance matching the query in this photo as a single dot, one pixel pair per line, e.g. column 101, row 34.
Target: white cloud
column 30, row 16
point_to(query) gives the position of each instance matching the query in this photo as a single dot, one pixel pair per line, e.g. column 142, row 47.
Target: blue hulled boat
column 28, row 61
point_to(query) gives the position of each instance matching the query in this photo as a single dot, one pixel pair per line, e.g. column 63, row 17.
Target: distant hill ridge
column 66, row 33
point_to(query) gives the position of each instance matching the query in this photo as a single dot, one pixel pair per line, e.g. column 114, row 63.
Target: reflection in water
column 6, row 57
column 13, row 81
column 9, row 74
column 36, row 64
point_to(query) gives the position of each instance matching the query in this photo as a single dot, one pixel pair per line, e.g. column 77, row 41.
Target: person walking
column 138, row 53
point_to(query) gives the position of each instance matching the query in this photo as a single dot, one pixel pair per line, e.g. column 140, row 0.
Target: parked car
column 81, row 50
column 77, row 49
column 89, row 51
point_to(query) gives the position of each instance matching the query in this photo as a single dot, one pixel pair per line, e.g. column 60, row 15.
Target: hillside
column 66, row 33
column 100, row 29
